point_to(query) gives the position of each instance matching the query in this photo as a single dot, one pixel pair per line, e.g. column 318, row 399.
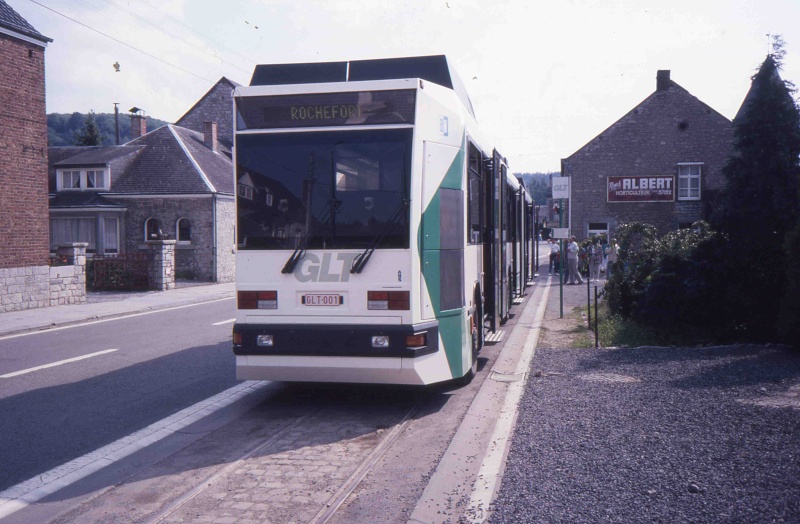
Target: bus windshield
column 323, row 190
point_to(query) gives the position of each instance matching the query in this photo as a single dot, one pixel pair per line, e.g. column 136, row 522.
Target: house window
column 82, row 179
column 269, row 199
column 111, row 235
column 184, row 230
column 95, row 180
column 66, row 230
column 70, row 180
column 598, row 228
column 152, row 229
column 246, row 192
column 689, row 181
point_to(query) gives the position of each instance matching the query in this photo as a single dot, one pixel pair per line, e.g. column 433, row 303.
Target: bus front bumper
column 336, row 340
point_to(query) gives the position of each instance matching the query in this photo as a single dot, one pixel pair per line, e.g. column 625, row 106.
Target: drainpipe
column 214, row 249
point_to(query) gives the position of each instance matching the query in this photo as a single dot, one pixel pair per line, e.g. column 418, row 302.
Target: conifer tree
column 761, row 200
column 90, row 134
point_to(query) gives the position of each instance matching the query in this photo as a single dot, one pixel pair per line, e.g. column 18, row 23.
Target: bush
column 635, row 264
column 669, row 284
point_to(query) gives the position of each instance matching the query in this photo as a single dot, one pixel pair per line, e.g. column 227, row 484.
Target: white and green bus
column 380, row 237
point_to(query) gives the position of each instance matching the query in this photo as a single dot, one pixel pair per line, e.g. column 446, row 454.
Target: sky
column 545, row 77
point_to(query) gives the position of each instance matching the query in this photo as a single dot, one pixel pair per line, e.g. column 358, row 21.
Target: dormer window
column 82, row 179
column 71, row 180
column 95, row 179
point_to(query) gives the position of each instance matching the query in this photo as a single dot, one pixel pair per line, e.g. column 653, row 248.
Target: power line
column 159, row 28
column 199, row 33
column 123, row 43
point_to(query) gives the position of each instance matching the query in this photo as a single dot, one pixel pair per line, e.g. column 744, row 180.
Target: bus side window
column 475, row 187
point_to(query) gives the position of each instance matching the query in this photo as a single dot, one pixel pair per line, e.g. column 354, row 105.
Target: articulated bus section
column 379, row 235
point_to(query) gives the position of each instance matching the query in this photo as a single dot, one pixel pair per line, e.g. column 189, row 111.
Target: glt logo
column 311, row 269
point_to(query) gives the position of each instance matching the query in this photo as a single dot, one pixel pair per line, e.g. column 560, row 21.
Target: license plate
column 323, row 300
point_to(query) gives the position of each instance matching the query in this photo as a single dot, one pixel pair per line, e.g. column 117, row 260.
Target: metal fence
column 121, row 272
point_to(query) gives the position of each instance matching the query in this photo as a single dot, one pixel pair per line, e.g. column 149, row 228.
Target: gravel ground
column 656, row 435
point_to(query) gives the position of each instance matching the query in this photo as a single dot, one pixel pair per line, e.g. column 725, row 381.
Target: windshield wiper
column 298, row 254
column 361, row 260
column 330, row 207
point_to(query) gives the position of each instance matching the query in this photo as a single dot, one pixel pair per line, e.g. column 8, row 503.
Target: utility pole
column 116, row 120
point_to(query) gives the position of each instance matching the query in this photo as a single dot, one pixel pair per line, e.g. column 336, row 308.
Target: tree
column 90, row 134
column 761, row 201
column 62, row 127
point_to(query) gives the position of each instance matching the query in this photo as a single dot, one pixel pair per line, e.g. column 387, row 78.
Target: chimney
column 210, row 135
column 138, row 123
column 662, row 80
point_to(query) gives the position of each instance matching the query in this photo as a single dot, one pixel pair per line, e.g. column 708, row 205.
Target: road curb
column 472, row 466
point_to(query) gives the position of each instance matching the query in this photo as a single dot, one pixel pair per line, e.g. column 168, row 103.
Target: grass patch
column 583, row 338
column 615, row 330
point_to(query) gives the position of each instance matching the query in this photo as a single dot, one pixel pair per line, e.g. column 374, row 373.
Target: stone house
column 24, row 254
column 173, row 182
column 659, row 164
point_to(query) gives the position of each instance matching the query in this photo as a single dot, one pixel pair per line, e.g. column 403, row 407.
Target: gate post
column 68, row 283
column 163, row 269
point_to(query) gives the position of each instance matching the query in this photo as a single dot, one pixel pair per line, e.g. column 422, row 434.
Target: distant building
column 24, row 269
column 660, row 164
column 171, row 183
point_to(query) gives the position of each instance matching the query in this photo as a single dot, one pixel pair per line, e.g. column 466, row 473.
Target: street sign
column 560, row 232
column 561, row 187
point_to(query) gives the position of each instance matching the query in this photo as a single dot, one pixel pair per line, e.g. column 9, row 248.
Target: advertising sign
column 561, row 187
column 641, row 188
column 560, row 232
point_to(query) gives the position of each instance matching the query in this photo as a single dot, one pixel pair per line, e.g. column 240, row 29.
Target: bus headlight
column 380, row 341
column 265, row 341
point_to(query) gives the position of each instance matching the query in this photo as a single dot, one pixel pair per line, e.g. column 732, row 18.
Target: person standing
column 611, row 256
column 553, row 255
column 572, row 262
column 595, row 260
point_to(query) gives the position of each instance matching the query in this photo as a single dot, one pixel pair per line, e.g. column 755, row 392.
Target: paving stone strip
column 292, row 479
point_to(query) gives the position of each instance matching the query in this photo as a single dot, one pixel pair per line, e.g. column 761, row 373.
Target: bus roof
column 435, row 68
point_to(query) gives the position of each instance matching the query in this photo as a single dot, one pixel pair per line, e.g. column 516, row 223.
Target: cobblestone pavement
column 284, row 463
column 292, row 477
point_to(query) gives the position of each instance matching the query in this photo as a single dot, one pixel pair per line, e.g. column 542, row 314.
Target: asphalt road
column 146, row 368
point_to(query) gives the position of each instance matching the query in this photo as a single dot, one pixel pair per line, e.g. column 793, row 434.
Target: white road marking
column 59, row 363
column 230, row 320
column 80, row 323
column 31, row 491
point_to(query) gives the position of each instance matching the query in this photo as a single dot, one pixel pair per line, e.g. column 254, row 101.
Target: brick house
column 173, row 182
column 659, row 164
column 24, row 271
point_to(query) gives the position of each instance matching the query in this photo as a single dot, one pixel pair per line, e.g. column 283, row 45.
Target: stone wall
column 24, row 288
column 215, row 106
column 226, row 241
column 197, row 259
column 669, row 127
column 68, row 283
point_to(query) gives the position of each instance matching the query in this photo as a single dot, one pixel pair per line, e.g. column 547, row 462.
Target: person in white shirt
column 611, row 256
column 572, row 262
column 553, row 254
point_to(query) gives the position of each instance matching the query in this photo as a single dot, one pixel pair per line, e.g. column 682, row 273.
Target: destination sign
column 641, row 188
column 326, row 109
